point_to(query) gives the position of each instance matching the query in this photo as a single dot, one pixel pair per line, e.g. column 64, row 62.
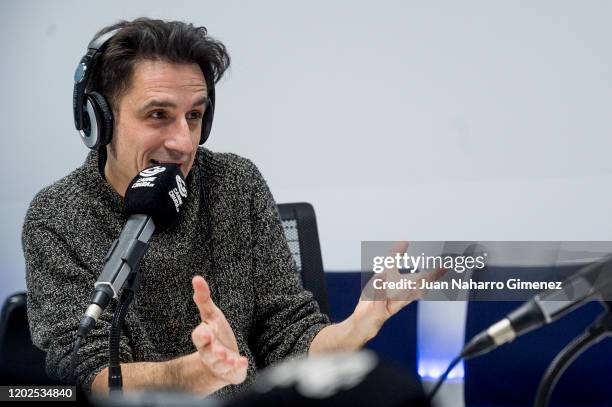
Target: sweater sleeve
column 287, row 316
column 58, row 289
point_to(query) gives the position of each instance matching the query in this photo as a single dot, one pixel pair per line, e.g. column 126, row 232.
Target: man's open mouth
column 158, row 162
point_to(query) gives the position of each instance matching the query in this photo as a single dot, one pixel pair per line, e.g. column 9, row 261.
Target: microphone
column 591, row 281
column 153, row 201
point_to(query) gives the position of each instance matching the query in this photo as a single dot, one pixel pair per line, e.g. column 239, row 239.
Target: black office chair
column 20, row 361
column 300, row 225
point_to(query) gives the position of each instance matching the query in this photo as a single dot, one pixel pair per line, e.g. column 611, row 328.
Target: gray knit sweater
column 229, row 232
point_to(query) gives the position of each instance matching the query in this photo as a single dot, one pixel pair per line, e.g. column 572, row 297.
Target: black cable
column 601, row 328
column 443, row 377
column 203, row 198
column 73, row 358
column 115, row 379
column 205, row 204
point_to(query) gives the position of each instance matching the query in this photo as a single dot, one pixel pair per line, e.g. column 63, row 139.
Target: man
column 218, row 295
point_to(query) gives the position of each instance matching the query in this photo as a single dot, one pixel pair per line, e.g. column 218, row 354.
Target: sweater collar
column 108, row 198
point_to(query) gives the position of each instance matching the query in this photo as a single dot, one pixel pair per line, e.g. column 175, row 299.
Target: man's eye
column 158, row 115
column 195, row 115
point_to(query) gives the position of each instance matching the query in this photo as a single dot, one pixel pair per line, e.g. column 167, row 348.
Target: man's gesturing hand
column 378, row 305
column 374, row 308
column 215, row 341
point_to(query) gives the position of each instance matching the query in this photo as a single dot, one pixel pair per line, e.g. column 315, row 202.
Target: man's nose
column 180, row 138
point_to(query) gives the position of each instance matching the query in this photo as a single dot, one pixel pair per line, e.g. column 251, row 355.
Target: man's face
column 159, row 120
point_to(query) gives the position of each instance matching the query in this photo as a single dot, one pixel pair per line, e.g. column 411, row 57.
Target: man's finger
column 399, row 247
column 201, row 296
column 202, row 336
column 222, row 362
column 218, row 358
column 437, row 274
column 226, row 360
column 238, row 373
column 207, row 353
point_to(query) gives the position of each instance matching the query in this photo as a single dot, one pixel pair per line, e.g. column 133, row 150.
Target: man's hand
column 215, row 342
column 374, row 308
column 214, row 365
column 377, row 305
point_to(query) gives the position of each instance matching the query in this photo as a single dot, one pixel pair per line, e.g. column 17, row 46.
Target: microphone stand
column 599, row 329
column 115, row 379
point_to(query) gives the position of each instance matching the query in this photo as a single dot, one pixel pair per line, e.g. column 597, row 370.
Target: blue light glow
column 431, row 369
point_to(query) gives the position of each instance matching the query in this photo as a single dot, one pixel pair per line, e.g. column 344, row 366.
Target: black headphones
column 93, row 116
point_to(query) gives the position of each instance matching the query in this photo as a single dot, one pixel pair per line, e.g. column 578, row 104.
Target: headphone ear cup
column 103, row 118
column 208, row 118
column 206, row 126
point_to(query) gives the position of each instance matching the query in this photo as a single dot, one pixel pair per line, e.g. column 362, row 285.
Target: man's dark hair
column 147, row 39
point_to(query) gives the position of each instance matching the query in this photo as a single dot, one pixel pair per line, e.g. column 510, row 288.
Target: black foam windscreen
column 158, row 191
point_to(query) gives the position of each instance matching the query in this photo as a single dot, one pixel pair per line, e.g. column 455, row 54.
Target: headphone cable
column 443, row 377
column 73, row 358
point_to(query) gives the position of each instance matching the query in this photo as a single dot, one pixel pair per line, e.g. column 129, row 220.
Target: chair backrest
column 300, row 225
column 20, row 361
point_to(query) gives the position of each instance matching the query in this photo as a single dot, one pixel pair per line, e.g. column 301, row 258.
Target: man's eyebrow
column 201, row 101
column 167, row 103
column 157, row 103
